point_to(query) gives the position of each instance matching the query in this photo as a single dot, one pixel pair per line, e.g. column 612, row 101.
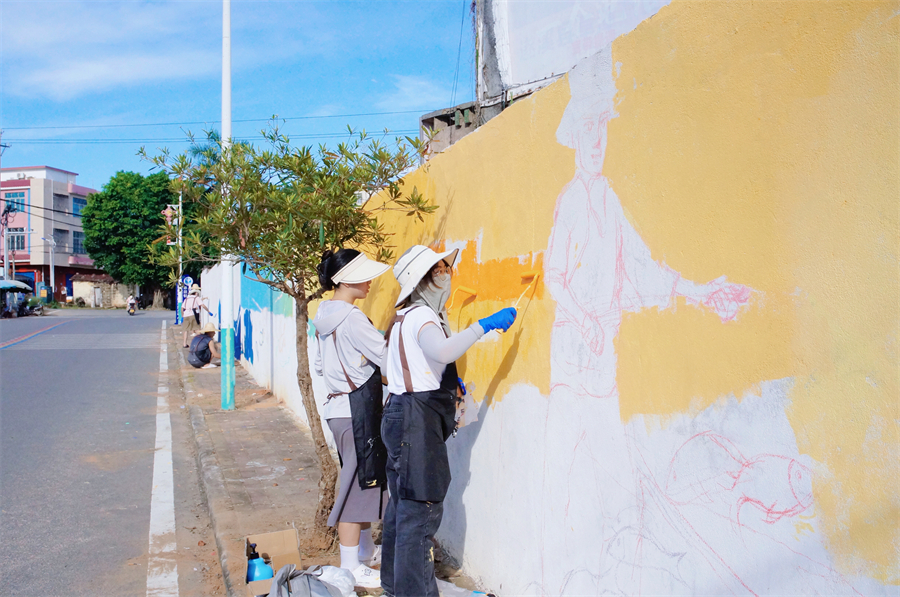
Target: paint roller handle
column 501, row 320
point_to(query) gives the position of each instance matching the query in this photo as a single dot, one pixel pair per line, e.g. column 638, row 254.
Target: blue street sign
column 184, row 287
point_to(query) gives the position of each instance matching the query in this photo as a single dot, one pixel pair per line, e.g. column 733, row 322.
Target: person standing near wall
column 190, row 310
column 349, row 357
column 419, row 416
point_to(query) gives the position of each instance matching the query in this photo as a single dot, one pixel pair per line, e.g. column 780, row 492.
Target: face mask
column 434, row 294
column 442, row 281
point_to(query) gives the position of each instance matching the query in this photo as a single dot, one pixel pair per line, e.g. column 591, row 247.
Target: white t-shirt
column 425, row 373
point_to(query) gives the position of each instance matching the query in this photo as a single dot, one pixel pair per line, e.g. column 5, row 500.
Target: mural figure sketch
column 597, row 265
column 712, row 519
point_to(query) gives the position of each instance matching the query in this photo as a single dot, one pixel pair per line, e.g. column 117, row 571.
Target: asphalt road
column 78, row 405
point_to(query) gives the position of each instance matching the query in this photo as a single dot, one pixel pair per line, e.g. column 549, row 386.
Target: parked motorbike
column 25, row 308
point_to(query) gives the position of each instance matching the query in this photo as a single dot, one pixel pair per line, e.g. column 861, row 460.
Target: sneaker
column 375, row 559
column 367, row 578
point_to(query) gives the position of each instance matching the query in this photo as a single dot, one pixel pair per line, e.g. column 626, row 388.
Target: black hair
column 332, row 262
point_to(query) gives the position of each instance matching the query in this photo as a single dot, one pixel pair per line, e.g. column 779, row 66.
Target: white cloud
column 62, row 50
column 411, row 92
column 68, row 79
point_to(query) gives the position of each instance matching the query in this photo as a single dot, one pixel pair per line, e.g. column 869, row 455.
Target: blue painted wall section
column 247, row 345
column 257, row 297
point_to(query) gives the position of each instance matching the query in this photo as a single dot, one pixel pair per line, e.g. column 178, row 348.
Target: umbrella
column 14, row 285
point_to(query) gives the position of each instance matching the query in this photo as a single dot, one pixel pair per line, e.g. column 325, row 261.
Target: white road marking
column 162, row 570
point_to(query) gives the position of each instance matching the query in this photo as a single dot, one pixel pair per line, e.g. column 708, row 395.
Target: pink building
column 48, row 205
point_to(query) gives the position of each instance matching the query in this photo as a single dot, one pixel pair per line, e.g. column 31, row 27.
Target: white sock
column 366, row 545
column 350, row 557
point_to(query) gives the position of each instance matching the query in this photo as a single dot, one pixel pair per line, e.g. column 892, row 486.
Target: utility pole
column 5, row 218
column 52, row 242
column 226, row 309
column 179, row 287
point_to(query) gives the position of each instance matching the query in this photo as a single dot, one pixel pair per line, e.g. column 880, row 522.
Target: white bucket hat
column 415, row 264
column 360, row 269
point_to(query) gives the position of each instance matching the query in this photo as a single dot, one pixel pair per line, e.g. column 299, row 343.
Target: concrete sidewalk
column 258, row 465
column 259, row 470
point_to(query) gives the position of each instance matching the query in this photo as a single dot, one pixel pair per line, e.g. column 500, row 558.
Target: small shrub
column 79, row 302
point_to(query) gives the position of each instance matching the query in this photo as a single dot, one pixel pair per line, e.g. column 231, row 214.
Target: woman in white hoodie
column 350, row 353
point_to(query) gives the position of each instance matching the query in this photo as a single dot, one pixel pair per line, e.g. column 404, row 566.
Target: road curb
column 229, row 542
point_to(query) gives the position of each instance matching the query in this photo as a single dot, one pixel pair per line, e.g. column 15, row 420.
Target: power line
column 309, row 136
column 56, row 211
column 458, row 55
column 211, row 121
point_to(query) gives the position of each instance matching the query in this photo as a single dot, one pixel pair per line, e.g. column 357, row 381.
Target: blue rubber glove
column 501, row 320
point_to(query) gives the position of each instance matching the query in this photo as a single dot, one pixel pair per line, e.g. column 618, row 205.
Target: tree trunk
column 323, row 534
column 158, row 296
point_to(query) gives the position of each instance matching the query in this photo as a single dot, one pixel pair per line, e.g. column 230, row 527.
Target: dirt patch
column 113, row 461
column 253, row 398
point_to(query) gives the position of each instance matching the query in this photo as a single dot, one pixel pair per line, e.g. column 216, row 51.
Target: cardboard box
column 277, row 549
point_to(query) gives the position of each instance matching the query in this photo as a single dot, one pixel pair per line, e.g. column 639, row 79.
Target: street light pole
column 52, row 242
column 226, row 308
column 4, row 221
column 179, row 287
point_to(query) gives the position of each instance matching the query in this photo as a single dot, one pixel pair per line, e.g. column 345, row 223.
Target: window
column 15, row 200
column 62, row 239
column 78, row 205
column 78, row 242
column 16, row 239
column 61, row 203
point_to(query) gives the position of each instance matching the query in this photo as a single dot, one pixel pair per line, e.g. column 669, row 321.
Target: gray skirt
column 353, row 504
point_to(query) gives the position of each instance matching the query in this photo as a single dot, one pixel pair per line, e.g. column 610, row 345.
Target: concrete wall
column 700, row 393
column 701, row 396
column 113, row 296
column 265, row 337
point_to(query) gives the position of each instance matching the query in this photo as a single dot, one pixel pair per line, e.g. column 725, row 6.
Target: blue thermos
column 257, row 569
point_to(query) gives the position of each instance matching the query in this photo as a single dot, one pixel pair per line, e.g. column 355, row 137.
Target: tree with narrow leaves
column 277, row 209
column 122, row 221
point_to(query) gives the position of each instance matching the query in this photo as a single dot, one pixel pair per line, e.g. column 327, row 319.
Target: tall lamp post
column 52, row 242
column 226, row 311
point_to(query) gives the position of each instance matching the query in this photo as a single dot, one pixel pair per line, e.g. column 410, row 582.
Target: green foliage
column 285, row 205
column 120, row 223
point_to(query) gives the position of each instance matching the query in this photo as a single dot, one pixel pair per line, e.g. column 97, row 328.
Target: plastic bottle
column 257, row 569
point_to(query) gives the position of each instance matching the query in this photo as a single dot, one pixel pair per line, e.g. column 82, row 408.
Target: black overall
column 415, row 427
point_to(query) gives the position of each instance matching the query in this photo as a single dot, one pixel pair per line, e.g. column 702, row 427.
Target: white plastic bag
column 339, row 578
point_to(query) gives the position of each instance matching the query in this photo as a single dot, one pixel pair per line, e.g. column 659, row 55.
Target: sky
column 77, row 76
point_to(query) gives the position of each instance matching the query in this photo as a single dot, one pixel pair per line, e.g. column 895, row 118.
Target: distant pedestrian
column 204, row 348
column 420, row 415
column 349, row 357
column 190, row 311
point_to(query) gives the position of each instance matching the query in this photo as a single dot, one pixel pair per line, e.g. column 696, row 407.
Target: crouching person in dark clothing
column 204, row 348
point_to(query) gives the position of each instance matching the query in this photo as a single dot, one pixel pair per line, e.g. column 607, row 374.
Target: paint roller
column 534, row 275
column 465, row 289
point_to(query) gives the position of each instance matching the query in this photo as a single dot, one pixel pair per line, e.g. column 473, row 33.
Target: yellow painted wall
column 760, row 140
column 496, row 190
column 756, row 140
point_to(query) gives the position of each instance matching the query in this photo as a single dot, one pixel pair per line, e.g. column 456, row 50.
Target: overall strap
column 404, row 363
column 337, row 355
